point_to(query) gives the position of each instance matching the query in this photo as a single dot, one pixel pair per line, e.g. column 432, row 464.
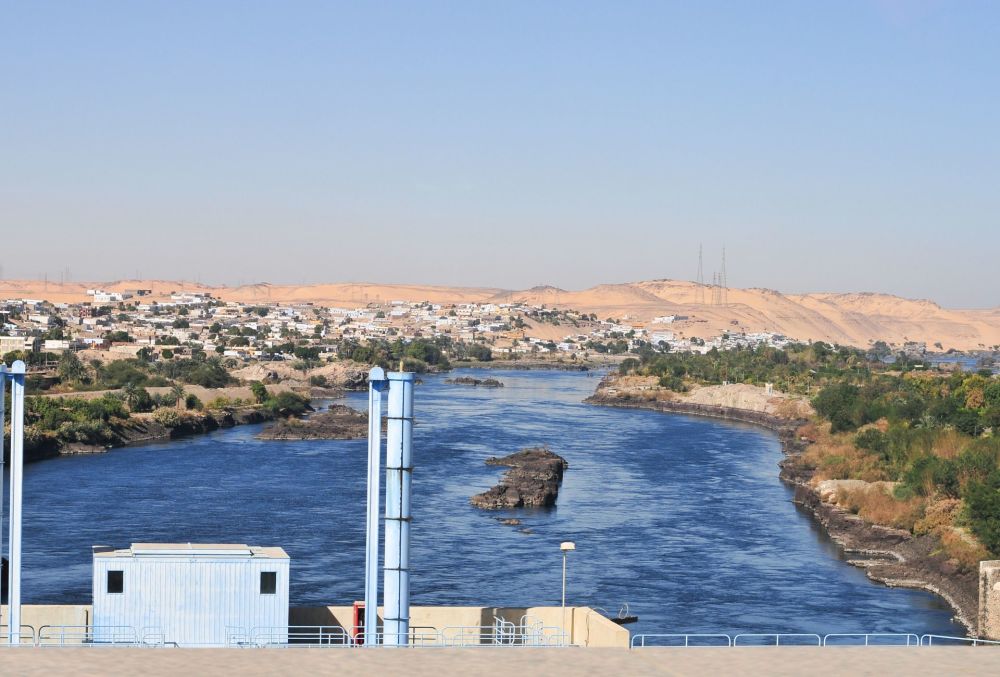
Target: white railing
column 928, row 640
column 835, row 639
column 86, row 635
column 488, row 635
column 682, row 640
column 26, row 636
column 764, row 639
column 871, row 639
column 300, row 636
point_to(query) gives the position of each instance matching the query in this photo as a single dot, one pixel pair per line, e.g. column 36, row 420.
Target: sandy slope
column 854, row 319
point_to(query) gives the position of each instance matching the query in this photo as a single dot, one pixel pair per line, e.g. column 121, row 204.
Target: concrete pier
column 989, row 599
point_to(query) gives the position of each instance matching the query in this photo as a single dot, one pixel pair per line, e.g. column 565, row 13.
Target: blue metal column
column 16, row 377
column 398, row 469
column 376, row 384
column 3, row 433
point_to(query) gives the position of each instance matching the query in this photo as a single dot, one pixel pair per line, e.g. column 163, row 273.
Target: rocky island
column 339, row 422
column 532, row 481
column 469, row 381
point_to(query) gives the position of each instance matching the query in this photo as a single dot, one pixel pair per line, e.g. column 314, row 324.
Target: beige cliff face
column 856, row 319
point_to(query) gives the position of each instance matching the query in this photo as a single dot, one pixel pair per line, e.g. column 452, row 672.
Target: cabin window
column 268, row 582
column 116, row 582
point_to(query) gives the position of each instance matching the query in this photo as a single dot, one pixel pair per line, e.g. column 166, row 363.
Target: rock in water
column 337, row 423
column 532, row 481
column 469, row 381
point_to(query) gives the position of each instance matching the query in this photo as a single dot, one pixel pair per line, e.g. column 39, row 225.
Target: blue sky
column 834, row 146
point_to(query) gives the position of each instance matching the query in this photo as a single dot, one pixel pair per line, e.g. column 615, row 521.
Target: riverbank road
column 572, row 662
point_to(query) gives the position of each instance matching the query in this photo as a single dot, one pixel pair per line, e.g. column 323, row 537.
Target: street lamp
column 566, row 547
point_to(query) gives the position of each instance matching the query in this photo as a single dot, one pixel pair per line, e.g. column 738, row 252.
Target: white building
column 190, row 594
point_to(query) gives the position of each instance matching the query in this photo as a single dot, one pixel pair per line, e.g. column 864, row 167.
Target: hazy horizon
column 829, row 148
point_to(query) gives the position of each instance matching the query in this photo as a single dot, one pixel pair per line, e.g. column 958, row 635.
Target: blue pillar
column 376, row 384
column 16, row 377
column 398, row 469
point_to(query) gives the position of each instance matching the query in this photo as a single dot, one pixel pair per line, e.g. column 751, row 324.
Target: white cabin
column 191, row 594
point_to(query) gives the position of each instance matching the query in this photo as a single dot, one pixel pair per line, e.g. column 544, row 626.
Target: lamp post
column 566, row 547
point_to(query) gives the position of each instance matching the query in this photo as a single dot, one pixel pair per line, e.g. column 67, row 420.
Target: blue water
column 682, row 518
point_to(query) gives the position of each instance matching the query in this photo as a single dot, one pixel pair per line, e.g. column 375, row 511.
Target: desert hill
column 854, row 319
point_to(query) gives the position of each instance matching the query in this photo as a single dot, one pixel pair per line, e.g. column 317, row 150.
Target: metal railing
column 928, row 640
column 674, row 639
column 152, row 636
column 86, row 635
column 871, row 639
column 488, row 635
column 300, row 636
column 883, row 639
column 26, row 636
column 764, row 639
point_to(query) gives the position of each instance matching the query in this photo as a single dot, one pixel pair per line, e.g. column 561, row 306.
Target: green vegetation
column 287, row 403
column 797, row 368
column 419, row 355
column 934, row 436
column 71, row 419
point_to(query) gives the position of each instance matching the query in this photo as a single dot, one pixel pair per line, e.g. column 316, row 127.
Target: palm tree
column 131, row 393
column 177, row 392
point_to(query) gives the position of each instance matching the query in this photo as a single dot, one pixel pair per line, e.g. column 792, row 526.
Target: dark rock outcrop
column 532, row 481
column 337, row 423
column 469, row 381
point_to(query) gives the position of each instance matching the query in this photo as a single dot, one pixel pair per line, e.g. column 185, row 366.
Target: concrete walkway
column 812, row 661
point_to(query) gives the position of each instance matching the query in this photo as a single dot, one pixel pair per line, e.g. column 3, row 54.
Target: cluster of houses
column 123, row 323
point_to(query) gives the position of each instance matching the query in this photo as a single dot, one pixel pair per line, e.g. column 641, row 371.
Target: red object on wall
column 358, row 623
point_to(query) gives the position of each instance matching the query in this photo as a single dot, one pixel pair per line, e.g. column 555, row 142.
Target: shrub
column 170, row 418
column 287, row 403
column 220, row 402
column 931, row 473
column 983, row 499
column 873, row 440
column 875, row 504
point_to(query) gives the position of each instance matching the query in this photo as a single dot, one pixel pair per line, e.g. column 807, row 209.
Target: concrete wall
column 38, row 615
column 989, row 599
column 584, row 626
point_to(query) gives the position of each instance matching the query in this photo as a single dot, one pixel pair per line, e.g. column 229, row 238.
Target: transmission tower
column 724, row 283
column 701, row 279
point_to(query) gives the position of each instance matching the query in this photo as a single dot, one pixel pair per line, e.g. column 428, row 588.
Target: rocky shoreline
column 144, row 430
column 889, row 556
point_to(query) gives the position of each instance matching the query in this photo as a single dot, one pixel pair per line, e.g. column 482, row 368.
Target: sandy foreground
column 512, row 661
column 849, row 319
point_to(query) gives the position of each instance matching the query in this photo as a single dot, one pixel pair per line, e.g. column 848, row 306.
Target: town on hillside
column 115, row 325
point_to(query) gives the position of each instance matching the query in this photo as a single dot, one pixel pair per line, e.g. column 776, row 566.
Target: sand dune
column 853, row 319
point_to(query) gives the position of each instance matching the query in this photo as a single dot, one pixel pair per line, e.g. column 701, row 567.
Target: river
column 683, row 518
